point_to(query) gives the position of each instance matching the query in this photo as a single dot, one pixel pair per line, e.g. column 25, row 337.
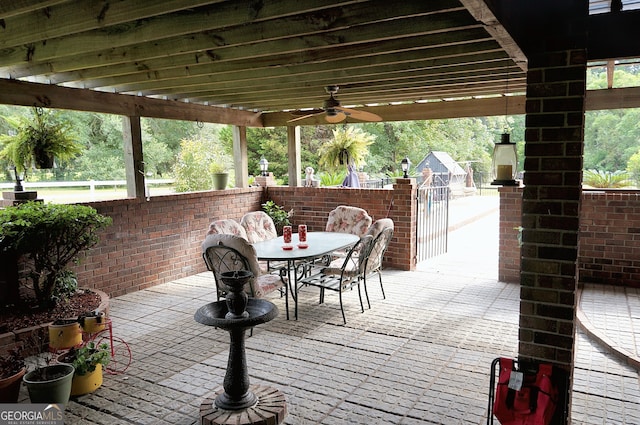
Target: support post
column 295, row 163
column 133, row 157
column 240, row 161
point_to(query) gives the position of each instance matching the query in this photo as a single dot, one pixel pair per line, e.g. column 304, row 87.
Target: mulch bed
column 19, row 317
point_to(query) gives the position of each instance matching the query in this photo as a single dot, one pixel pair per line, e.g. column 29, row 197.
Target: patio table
column 298, row 260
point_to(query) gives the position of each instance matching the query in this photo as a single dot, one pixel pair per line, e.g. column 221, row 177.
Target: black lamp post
column 405, row 163
column 505, row 160
column 264, row 166
column 18, row 187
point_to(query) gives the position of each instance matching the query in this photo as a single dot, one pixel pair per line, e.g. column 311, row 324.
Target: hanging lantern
column 505, row 160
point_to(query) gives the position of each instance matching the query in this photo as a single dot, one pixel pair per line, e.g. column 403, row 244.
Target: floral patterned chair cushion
column 227, row 226
column 260, row 285
column 347, row 219
column 259, row 226
column 379, row 225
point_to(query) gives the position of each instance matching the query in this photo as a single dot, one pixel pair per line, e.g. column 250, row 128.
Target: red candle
column 286, row 234
column 302, row 232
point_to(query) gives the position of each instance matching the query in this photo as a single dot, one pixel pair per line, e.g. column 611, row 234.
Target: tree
column 194, row 166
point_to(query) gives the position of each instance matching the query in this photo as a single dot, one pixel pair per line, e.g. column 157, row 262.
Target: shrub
column 51, row 236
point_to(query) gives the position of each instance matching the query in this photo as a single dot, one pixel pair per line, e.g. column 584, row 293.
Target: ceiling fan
column 334, row 113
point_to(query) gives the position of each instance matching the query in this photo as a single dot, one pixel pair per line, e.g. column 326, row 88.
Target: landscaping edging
column 40, row 332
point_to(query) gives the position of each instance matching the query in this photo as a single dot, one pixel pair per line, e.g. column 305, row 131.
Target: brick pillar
column 554, row 140
column 265, row 181
column 405, row 207
column 510, row 221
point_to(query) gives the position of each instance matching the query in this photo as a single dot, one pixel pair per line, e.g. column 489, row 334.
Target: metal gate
column 432, row 221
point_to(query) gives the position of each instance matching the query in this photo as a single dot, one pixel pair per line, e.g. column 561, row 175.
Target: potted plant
column 219, row 175
column 349, row 146
column 38, row 140
column 49, row 237
column 50, row 383
column 279, row 216
column 12, row 369
column 88, row 362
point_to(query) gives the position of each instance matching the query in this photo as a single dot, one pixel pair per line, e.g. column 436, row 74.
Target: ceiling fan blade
column 336, row 118
column 360, row 115
column 304, row 117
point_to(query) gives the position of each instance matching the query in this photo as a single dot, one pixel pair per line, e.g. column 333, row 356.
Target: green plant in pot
column 350, row 145
column 88, row 362
column 38, row 140
column 49, row 237
column 219, row 174
column 279, row 216
column 50, row 383
column 12, row 369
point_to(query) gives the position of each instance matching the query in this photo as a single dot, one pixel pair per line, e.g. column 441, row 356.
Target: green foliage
column 279, row 216
column 198, row 160
column 606, row 179
column 51, row 235
column 87, row 357
column 43, row 134
column 633, row 167
column 350, row 145
column 331, row 179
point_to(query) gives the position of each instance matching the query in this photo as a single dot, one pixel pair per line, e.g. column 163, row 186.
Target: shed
column 445, row 170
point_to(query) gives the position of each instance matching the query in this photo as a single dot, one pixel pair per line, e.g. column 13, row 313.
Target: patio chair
column 258, row 226
column 379, row 225
column 223, row 253
column 373, row 263
column 227, row 226
column 345, row 277
column 348, row 219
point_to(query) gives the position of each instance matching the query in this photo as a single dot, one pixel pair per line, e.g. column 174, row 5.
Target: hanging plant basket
column 42, row 160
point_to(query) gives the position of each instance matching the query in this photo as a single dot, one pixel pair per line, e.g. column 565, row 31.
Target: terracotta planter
column 10, row 387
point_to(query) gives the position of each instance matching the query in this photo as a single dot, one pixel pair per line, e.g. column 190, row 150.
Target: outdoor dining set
column 340, row 258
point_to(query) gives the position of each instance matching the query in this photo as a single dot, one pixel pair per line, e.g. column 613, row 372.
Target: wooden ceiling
column 263, row 56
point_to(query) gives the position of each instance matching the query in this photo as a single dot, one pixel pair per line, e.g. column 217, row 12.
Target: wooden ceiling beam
column 14, row 92
column 405, row 78
column 77, row 16
column 351, row 91
column 366, row 54
column 12, row 8
column 450, row 57
column 332, row 19
column 134, row 32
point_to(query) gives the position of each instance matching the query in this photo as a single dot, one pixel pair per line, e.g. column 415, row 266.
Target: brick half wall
column 608, row 240
column 157, row 241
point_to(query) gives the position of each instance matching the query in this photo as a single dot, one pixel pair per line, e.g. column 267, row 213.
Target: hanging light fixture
column 505, row 156
column 405, row 163
column 264, row 166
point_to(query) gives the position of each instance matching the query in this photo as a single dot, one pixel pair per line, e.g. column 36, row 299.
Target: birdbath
column 237, row 314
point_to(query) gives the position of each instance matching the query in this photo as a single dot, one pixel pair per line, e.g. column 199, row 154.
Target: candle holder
column 302, row 236
column 286, row 236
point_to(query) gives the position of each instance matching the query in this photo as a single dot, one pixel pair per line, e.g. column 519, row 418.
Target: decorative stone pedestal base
column 270, row 409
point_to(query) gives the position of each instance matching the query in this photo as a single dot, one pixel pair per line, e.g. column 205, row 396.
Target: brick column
column 405, row 209
column 554, row 141
column 510, row 220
